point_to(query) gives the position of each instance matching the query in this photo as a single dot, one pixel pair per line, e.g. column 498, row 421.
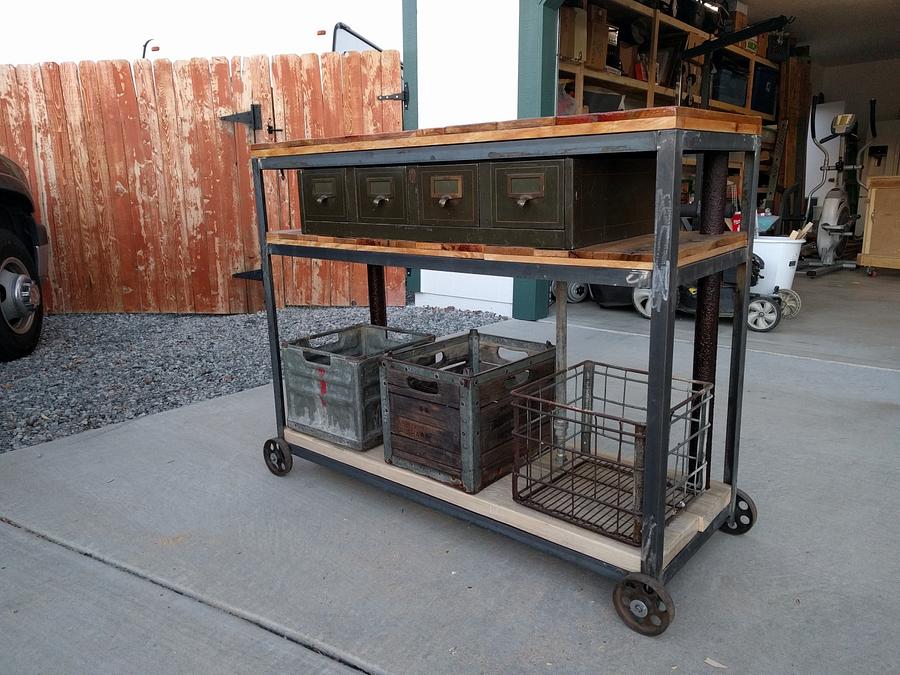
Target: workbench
column 662, row 261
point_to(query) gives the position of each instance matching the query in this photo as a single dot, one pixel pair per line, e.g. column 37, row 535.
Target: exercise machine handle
column 873, row 132
column 812, row 117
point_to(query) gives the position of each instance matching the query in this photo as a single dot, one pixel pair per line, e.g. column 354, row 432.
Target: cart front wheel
column 763, row 315
column 744, row 515
column 790, row 302
column 643, row 604
column 278, row 456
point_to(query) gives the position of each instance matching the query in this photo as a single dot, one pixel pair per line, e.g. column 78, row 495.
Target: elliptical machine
column 835, row 224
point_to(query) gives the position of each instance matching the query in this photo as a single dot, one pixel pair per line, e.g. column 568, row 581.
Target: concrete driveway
column 164, row 545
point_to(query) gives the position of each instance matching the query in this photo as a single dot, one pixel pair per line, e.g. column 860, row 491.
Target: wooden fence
column 148, row 194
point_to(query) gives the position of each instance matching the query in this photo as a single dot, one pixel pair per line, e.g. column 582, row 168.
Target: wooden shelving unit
column 647, row 93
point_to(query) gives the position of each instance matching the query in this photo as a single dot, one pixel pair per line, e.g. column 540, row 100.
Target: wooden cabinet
column 558, row 203
column 881, row 240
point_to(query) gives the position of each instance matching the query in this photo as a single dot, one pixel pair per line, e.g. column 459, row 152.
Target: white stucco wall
column 468, row 72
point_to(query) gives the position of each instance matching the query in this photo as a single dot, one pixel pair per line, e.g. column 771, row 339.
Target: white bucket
column 780, row 254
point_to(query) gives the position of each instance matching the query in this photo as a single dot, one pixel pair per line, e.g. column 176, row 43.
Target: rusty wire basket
column 580, row 440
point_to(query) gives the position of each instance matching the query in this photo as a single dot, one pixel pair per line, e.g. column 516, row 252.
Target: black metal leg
column 377, row 298
column 706, row 321
column 269, row 294
column 739, row 329
column 663, row 298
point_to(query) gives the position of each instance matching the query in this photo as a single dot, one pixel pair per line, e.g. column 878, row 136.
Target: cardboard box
column 628, row 58
column 572, row 33
column 597, row 38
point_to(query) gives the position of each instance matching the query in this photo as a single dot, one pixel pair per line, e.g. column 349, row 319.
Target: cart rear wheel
column 790, row 302
column 744, row 515
column 643, row 604
column 577, row 292
column 763, row 315
column 278, row 456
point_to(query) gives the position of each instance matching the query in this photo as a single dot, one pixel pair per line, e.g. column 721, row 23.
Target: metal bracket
column 252, row 118
column 249, row 275
column 271, row 129
column 399, row 96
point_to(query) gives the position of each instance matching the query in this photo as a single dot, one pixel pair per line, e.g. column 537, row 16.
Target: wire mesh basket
column 580, row 441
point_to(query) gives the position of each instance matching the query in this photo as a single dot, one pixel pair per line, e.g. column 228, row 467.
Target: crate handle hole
column 424, row 386
column 507, row 354
column 318, row 359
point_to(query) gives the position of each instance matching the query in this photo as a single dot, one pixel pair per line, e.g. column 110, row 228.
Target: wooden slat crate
column 447, row 407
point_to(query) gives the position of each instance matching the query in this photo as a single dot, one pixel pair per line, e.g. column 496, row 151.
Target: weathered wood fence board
column 148, row 194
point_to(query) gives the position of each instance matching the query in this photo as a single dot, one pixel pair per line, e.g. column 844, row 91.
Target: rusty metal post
column 706, row 321
column 377, row 300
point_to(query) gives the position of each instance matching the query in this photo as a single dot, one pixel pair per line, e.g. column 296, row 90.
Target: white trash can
column 780, row 255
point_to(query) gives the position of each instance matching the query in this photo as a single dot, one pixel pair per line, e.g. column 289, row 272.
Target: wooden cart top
column 635, row 253
column 647, row 119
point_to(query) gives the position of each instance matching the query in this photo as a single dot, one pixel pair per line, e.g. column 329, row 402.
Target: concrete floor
column 163, row 544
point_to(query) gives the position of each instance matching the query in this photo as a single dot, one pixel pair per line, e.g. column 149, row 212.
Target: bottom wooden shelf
column 496, row 502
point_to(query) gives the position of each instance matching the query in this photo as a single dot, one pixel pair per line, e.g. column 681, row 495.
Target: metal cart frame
column 669, row 147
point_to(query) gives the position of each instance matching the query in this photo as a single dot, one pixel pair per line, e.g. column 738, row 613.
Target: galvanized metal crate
column 580, row 442
column 331, row 382
column 447, row 411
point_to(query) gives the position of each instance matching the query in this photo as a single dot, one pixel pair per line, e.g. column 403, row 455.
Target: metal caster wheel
column 870, row 272
column 790, row 302
column 643, row 604
column 641, row 301
column 763, row 315
column 744, row 515
column 577, row 292
column 278, row 456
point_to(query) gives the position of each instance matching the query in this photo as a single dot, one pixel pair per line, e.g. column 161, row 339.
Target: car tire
column 18, row 335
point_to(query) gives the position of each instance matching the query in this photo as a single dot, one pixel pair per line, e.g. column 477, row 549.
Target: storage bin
column 446, row 406
column 331, row 382
column 580, row 439
column 780, row 255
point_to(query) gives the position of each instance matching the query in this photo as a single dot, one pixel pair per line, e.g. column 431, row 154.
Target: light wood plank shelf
column 496, row 502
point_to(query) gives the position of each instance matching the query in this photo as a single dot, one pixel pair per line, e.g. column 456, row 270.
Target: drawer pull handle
column 444, row 200
column 523, row 201
column 380, row 199
column 321, row 199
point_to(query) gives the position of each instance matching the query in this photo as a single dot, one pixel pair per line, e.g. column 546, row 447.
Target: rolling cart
column 662, row 542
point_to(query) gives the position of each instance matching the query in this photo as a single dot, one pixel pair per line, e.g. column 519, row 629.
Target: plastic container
column 780, row 254
column 332, row 384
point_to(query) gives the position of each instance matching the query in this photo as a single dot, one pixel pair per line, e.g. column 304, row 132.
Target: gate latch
column 252, row 118
column 399, row 96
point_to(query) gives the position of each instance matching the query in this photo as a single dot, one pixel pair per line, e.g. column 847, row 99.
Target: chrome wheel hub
column 20, row 295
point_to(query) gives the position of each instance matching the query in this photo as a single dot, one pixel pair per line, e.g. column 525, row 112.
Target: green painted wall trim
column 537, row 98
column 411, row 114
column 411, row 62
column 413, row 280
column 531, row 299
column 537, row 57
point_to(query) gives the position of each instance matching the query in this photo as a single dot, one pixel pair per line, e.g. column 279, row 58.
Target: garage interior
column 162, row 543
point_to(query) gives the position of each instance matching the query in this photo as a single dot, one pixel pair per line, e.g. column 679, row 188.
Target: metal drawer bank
column 552, row 203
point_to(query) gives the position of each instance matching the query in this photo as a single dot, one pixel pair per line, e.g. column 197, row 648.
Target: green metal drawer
column 324, row 195
column 381, row 195
column 528, row 195
column 447, row 194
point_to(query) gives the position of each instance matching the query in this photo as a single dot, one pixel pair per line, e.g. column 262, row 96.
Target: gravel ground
column 91, row 370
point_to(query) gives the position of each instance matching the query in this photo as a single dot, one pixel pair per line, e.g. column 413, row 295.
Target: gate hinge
column 252, row 118
column 399, row 96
